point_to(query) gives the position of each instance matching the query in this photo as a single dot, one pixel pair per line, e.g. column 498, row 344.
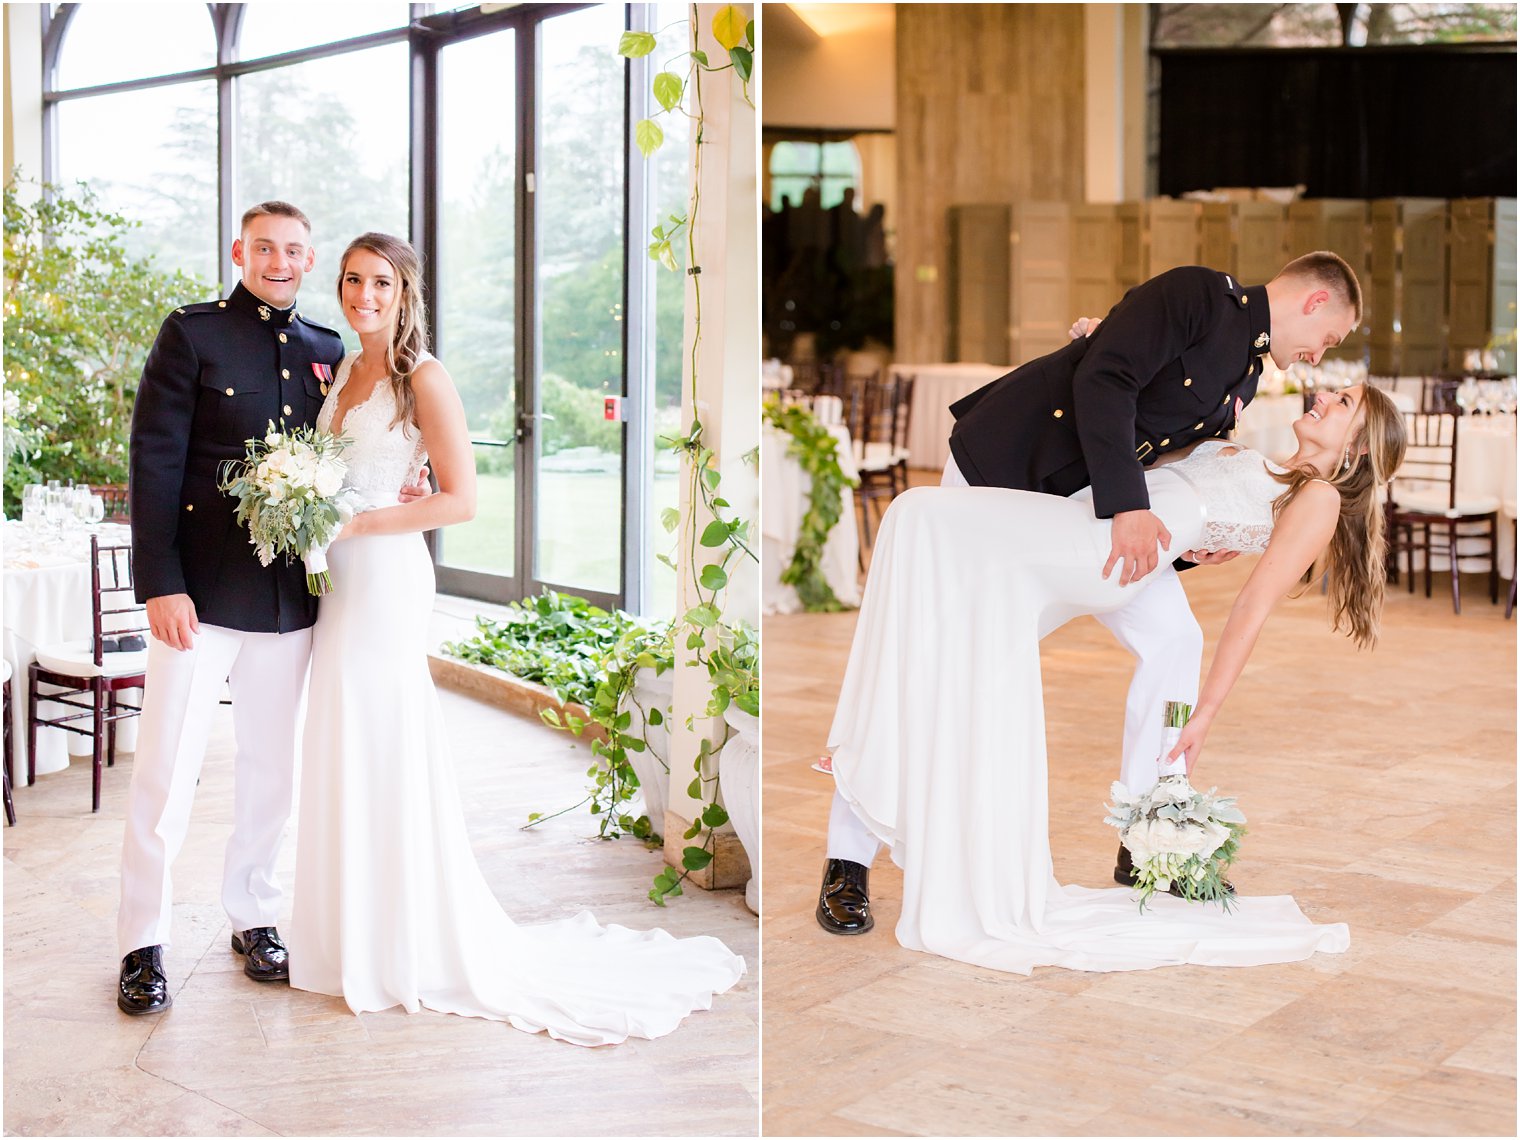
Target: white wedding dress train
column 390, row 905
column 939, row 737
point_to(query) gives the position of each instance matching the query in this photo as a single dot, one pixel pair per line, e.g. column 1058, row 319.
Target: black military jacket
column 1165, row 368
column 217, row 375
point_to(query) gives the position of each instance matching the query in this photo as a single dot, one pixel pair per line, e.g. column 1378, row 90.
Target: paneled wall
column 990, row 109
column 1438, row 278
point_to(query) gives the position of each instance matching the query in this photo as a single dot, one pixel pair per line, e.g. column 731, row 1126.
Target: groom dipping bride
column 961, row 799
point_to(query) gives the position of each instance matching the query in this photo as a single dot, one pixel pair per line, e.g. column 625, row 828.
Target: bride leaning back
column 390, row 905
column 939, row 735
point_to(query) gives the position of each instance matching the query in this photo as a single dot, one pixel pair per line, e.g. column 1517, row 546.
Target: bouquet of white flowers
column 289, row 488
column 1178, row 836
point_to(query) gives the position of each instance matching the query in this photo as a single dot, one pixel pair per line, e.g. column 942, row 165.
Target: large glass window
column 477, row 295
column 579, row 200
column 272, row 27
column 108, row 43
column 329, row 136
column 161, row 173
column 532, row 331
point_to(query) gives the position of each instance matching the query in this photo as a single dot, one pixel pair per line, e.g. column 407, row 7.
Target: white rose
column 272, row 439
column 329, row 482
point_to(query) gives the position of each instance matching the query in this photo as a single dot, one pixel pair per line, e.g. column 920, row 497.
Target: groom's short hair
column 282, row 209
column 1329, row 271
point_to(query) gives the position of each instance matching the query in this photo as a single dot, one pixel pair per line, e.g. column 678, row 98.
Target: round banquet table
column 785, row 487
column 47, row 600
column 935, row 388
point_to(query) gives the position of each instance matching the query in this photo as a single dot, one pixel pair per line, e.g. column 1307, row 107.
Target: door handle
column 524, row 422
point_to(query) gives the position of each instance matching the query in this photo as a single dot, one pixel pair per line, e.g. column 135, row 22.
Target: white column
column 23, row 89
column 727, row 366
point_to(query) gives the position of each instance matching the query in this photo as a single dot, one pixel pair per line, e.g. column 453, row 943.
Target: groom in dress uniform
column 218, row 374
column 1174, row 362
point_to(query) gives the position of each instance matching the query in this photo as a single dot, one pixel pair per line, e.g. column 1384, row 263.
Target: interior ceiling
column 803, row 25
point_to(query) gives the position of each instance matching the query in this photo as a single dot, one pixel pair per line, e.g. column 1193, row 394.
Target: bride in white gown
column 939, row 737
column 390, row 905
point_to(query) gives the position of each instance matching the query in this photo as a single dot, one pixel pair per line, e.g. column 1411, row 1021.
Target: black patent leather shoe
column 844, row 902
column 265, row 958
column 1124, row 874
column 143, row 987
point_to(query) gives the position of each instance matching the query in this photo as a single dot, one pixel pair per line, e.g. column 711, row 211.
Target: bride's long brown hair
column 1355, row 558
column 409, row 336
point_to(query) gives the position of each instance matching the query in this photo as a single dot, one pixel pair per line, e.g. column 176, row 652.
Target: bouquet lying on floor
column 1177, row 836
column 289, row 488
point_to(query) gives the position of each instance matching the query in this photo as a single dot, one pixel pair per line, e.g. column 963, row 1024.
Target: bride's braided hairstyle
column 1355, row 558
column 409, row 336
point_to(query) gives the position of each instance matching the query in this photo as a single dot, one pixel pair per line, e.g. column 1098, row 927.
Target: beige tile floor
column 1381, row 792
column 233, row 1057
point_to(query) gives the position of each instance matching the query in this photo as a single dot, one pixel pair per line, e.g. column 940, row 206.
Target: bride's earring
column 1346, row 459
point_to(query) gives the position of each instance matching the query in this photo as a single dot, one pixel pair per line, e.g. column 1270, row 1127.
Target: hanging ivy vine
column 815, row 450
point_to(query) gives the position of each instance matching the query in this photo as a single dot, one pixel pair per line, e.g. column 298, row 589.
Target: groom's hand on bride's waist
column 418, row 490
column 172, row 620
column 1209, row 557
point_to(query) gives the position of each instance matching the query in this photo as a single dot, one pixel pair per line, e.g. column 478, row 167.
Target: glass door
column 575, row 494
column 531, row 253
column 476, row 299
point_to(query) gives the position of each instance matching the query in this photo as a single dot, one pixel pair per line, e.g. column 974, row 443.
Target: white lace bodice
column 1237, row 491
column 381, row 459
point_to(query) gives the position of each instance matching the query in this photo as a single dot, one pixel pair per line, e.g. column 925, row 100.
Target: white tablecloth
column 46, row 604
column 784, row 489
column 1486, row 456
column 935, row 388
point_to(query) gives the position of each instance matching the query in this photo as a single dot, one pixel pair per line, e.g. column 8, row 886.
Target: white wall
column 846, row 79
column 23, row 89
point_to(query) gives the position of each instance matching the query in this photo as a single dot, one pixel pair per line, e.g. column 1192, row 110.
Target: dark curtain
column 1346, row 123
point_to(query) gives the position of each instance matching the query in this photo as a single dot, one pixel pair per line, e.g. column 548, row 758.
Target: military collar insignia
column 246, row 302
column 1262, row 340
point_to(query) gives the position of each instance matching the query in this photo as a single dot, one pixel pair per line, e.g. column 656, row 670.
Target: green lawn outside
column 579, row 533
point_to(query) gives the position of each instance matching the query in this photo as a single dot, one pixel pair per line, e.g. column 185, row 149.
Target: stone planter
column 649, row 692
column 739, row 781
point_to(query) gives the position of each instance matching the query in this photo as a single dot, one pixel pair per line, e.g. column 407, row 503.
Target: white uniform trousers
column 1159, row 630
column 267, row 676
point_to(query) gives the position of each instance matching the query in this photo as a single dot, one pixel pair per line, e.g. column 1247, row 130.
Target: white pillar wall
column 23, row 90
column 726, row 238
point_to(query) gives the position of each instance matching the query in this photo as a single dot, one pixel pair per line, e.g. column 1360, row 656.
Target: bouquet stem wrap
column 318, row 579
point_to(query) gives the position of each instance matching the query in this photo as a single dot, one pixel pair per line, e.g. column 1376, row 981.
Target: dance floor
column 1380, row 789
